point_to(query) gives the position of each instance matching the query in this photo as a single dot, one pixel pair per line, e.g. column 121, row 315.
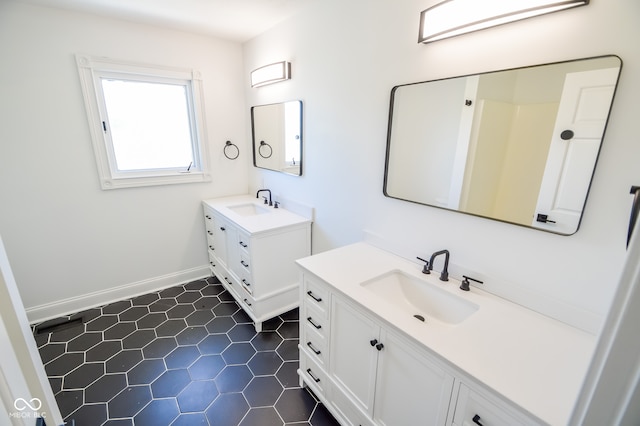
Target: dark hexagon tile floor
column 187, row 355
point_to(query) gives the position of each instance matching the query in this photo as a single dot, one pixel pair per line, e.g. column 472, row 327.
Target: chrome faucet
column 265, row 198
column 444, row 275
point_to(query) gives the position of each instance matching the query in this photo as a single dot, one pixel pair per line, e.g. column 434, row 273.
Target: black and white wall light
column 454, row 17
column 272, row 73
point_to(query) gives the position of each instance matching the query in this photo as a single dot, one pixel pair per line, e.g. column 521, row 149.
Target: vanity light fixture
column 272, row 73
column 454, row 17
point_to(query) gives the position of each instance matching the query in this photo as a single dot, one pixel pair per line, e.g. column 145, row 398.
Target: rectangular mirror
column 277, row 137
column 517, row 145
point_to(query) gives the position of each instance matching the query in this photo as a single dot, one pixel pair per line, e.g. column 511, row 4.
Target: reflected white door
column 582, row 116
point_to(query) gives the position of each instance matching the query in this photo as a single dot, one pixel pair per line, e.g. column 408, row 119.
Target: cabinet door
column 220, row 237
column 353, row 358
column 410, row 390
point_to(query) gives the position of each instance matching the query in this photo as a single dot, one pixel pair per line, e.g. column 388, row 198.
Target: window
column 147, row 123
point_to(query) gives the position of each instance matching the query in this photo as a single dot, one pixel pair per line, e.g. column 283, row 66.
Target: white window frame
column 91, row 70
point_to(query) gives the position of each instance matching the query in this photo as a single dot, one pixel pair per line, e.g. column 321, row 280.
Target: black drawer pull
column 317, row 352
column 476, row 420
column 245, row 264
column 227, row 280
column 211, row 247
column 222, row 228
column 209, row 232
column 312, row 376
column 311, row 295
column 317, row 326
column 247, row 302
column 243, row 244
column 247, row 283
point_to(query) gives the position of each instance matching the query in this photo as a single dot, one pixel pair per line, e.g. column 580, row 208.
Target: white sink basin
column 420, row 298
column 249, row 209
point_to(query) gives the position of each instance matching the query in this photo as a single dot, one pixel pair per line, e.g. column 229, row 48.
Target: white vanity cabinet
column 365, row 372
column 388, row 358
column 253, row 255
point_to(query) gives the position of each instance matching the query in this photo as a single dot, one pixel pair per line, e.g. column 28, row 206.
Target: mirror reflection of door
column 580, row 124
column 277, row 137
column 480, row 144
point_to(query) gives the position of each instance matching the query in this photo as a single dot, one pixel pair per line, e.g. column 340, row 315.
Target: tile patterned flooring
column 187, row 355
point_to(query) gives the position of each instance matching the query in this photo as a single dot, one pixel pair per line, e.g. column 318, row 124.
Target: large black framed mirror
column 517, row 145
column 277, row 137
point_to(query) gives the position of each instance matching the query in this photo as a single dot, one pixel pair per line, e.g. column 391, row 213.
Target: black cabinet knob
column 379, row 346
column 373, row 342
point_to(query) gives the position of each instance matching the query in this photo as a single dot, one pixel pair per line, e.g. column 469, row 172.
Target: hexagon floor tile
column 186, row 355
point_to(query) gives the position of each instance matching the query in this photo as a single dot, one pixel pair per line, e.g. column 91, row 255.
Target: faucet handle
column 425, row 269
column 464, row 286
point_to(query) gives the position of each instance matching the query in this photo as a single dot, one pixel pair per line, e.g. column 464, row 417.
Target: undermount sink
column 249, row 209
column 420, row 298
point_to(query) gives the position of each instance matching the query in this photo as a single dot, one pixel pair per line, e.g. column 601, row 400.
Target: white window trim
column 89, row 69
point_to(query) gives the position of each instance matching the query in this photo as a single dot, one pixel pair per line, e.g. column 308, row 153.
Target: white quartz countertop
column 270, row 218
column 534, row 361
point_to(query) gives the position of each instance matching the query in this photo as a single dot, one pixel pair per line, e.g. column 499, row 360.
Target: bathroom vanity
column 383, row 344
column 252, row 250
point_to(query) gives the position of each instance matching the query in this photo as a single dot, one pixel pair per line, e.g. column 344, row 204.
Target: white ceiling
column 237, row 20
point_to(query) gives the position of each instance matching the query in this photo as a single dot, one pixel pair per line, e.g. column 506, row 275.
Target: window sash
column 92, row 72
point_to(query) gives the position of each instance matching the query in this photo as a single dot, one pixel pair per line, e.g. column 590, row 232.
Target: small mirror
column 277, row 137
column 518, row 145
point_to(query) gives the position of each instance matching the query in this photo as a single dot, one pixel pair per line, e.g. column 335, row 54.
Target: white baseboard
column 83, row 302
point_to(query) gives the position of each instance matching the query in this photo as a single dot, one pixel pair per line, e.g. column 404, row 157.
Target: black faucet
column 265, row 198
column 444, row 275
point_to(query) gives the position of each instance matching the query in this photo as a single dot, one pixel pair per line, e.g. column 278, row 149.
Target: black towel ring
column 263, row 144
column 226, row 146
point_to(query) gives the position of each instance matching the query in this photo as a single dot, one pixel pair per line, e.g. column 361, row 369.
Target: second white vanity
column 383, row 344
column 252, row 250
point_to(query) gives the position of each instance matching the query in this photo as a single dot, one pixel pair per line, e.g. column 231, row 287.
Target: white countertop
column 275, row 218
column 534, row 361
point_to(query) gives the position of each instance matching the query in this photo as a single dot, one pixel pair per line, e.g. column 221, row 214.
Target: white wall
column 65, row 237
column 346, row 57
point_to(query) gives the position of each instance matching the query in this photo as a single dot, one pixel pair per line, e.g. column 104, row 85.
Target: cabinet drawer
column 208, row 215
column 247, row 300
column 213, row 262
column 246, row 282
column 245, row 262
column 317, row 296
column 313, row 374
column 315, row 344
column 211, row 245
column 244, row 241
column 473, row 408
column 314, row 321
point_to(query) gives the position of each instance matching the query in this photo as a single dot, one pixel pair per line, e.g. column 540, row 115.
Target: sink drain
column 420, row 317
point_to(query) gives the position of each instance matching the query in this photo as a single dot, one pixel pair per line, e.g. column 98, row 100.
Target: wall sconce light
column 454, row 17
column 269, row 74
